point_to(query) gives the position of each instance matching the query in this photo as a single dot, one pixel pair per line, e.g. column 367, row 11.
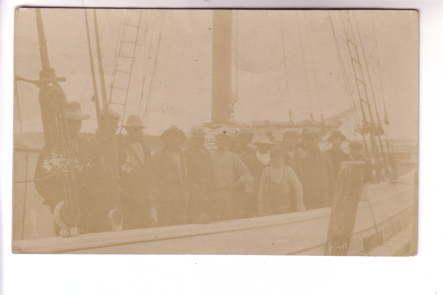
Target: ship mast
column 222, row 100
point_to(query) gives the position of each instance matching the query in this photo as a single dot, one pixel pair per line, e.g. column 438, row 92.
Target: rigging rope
column 92, row 68
column 17, row 106
column 346, row 84
column 148, row 47
column 309, row 81
column 236, row 58
column 380, row 146
column 284, row 55
column 154, row 69
column 125, row 105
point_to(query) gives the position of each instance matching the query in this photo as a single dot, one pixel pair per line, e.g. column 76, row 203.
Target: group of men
column 111, row 181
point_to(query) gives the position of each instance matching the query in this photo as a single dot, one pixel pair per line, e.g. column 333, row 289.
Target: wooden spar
column 96, row 97
column 100, row 65
column 43, row 49
column 221, row 66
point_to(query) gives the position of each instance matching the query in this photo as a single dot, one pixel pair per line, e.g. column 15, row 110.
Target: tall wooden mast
column 222, row 100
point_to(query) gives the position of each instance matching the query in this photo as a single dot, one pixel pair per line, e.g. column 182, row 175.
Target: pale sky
column 283, row 60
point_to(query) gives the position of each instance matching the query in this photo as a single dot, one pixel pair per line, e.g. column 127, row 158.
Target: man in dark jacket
column 199, row 177
column 137, row 202
column 170, row 175
column 335, row 154
column 335, row 157
column 101, row 196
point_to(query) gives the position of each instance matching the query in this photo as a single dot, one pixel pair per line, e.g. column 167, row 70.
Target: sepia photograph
column 216, row 131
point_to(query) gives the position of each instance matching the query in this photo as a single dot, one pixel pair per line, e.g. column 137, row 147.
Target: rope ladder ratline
column 351, row 48
column 120, row 58
column 346, row 84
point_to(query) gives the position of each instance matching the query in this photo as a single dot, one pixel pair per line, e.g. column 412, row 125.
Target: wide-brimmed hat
column 134, row 121
column 73, row 111
column 262, row 139
column 336, row 134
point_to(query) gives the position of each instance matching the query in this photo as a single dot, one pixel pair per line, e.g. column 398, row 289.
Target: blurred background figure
column 357, row 153
column 312, row 168
column 199, row 177
column 246, row 202
column 280, row 190
column 170, row 178
column 241, row 143
column 231, row 177
column 335, row 154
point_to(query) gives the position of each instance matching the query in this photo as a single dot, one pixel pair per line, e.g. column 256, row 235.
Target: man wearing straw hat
column 136, row 177
column 255, row 161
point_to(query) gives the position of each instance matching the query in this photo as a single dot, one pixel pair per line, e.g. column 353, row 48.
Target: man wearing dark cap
column 169, row 178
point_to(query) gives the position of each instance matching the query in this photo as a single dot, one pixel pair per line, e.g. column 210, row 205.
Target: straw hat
column 172, row 133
